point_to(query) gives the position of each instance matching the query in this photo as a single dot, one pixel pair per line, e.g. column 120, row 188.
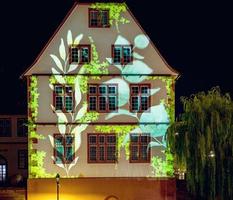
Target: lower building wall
column 102, row 189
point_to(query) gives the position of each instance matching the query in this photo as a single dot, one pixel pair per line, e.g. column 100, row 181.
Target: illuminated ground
column 19, row 193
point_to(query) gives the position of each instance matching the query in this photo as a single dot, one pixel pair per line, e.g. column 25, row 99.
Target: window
column 102, row 148
column 139, row 97
column 5, row 127
column 63, row 98
column 102, row 98
column 139, row 151
column 22, row 128
column 122, row 54
column 79, row 54
column 3, row 169
column 98, row 18
column 64, row 148
column 22, row 159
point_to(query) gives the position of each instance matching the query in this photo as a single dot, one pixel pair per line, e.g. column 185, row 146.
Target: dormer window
column 98, row 18
column 79, row 54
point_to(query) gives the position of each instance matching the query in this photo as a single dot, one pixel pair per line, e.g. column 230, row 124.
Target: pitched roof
column 89, row 2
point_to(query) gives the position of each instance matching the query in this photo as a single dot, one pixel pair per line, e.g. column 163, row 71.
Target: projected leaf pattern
column 60, row 69
column 156, row 115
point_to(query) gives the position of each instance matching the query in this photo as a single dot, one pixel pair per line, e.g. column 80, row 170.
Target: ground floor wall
column 102, row 189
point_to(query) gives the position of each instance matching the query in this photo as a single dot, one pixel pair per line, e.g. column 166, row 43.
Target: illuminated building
column 100, row 99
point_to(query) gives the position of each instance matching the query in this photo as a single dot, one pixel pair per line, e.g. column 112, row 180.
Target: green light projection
column 159, row 116
column 36, row 158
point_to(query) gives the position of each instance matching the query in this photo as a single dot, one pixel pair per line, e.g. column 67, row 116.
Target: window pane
column 144, row 90
column 58, row 103
column 85, row 54
column 58, row 140
column 135, row 103
column 58, row 90
column 127, row 54
column 101, row 153
column 111, row 139
column 69, row 154
column 144, row 152
column 134, row 138
column 112, row 103
column 93, row 18
column 145, row 139
column 104, row 18
column 144, row 103
column 92, row 103
column 111, row 89
column 117, row 55
column 102, row 89
column 92, row 153
column 22, row 128
column 74, row 54
column 22, row 159
column 111, row 153
column 92, row 139
column 2, row 172
column 69, row 89
column 59, row 154
column 134, row 153
column 101, row 139
column 69, row 140
column 69, row 103
column 102, row 103
column 92, row 89
column 5, row 127
column 134, row 89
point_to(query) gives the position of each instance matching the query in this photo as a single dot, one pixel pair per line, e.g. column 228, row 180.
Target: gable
column 127, row 31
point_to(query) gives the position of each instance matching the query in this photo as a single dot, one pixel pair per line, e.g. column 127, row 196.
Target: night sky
column 194, row 37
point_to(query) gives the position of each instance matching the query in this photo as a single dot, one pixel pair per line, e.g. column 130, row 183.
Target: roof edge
column 51, row 38
column 152, row 43
column 87, row 3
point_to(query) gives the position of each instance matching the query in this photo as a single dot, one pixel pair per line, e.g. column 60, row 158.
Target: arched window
column 3, row 169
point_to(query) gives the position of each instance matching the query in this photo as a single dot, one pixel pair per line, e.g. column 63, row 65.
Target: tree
column 202, row 144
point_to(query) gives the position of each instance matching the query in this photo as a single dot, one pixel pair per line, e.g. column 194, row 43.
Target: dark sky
column 195, row 37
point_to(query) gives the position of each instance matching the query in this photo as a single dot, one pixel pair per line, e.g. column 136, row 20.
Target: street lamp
column 58, row 184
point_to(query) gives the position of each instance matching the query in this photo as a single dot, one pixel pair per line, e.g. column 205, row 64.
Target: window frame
column 63, row 96
column 23, row 127
column 64, row 160
column 3, row 173
column 123, row 63
column 139, row 95
column 4, row 127
column 79, row 47
column 26, row 159
column 139, row 144
column 98, row 161
column 97, row 95
column 98, row 25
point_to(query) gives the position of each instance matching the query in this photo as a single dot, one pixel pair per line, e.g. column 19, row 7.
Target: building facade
column 100, row 99
column 13, row 148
